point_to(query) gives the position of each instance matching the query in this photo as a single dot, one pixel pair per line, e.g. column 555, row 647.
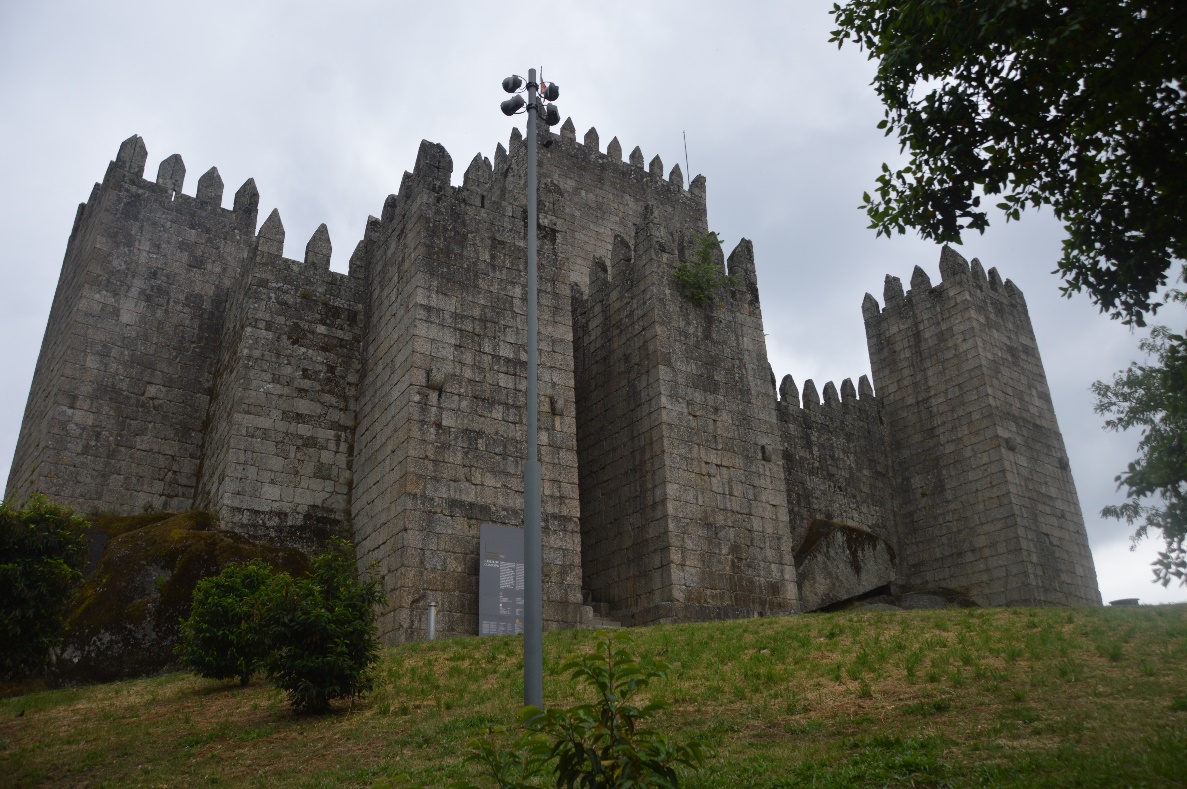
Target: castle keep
column 188, row 364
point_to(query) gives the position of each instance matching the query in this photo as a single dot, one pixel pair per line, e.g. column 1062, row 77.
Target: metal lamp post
column 533, row 629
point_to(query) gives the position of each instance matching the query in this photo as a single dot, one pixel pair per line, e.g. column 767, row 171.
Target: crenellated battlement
column 860, row 396
column 128, row 167
column 957, row 275
column 835, row 456
column 188, row 363
column 567, row 138
column 970, row 423
column 314, row 269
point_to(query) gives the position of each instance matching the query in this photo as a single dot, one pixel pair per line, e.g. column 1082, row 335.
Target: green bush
column 222, row 637
column 700, row 278
column 319, row 632
column 603, row 744
column 43, row 550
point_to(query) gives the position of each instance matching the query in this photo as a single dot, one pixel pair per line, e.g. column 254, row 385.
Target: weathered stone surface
column 836, row 562
column 568, row 131
column 210, row 187
column 676, row 177
column 124, row 621
column 960, row 382
column 918, row 601
column 132, row 155
column 187, row 362
column 319, row 249
column 171, row 174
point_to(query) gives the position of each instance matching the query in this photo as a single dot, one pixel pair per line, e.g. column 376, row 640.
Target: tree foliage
column 1153, row 398
column 319, row 632
column 603, row 744
column 1079, row 106
column 43, row 550
column 222, row 637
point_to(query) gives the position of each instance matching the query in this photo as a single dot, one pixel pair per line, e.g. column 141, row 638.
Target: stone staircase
column 596, row 616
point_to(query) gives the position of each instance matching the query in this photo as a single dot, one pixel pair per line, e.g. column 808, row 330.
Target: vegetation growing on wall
column 700, row 278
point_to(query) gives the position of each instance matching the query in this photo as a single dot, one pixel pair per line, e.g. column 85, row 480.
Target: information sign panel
column 500, row 580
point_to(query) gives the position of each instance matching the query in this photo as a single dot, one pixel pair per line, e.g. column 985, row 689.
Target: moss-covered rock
column 837, row 562
column 124, row 621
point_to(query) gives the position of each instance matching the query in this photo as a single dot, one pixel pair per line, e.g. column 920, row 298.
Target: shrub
column 603, row 744
column 222, row 637
column 699, row 278
column 319, row 632
column 43, row 550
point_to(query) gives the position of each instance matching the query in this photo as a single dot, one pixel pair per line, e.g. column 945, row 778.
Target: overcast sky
column 325, row 104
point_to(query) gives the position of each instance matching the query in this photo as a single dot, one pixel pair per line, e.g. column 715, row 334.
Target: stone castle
column 188, row 365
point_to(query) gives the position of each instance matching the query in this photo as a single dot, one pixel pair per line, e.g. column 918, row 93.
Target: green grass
column 966, row 697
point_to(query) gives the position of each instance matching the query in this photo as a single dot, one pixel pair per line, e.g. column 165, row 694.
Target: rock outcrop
column 124, row 621
column 837, row 562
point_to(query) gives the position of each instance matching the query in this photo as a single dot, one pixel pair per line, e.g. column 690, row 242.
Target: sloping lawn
column 966, row 697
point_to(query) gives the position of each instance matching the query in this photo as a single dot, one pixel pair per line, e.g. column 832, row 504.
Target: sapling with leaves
column 606, row 743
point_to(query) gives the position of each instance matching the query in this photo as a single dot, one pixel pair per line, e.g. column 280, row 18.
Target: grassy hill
column 969, row 697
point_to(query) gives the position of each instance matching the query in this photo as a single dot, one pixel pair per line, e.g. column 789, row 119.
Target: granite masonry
column 188, row 364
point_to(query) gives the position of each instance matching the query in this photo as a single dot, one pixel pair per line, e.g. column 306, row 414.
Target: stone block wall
column 983, row 489
column 280, row 430
column 724, row 484
column 683, row 499
column 188, row 363
column 441, row 438
column 591, row 196
column 42, row 414
column 123, row 380
column 625, row 547
column 836, row 458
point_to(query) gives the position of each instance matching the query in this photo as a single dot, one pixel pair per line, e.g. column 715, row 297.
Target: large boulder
column 837, row 562
column 124, row 621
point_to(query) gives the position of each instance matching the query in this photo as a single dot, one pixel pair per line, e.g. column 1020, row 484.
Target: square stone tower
column 983, row 489
column 187, row 363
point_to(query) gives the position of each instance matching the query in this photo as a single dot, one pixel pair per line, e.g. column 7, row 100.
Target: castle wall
column 983, row 488
column 696, row 503
column 126, row 367
column 725, row 483
column 625, row 546
column 32, row 454
column 591, row 196
column 441, row 436
column 836, row 458
column 280, row 430
column 188, row 363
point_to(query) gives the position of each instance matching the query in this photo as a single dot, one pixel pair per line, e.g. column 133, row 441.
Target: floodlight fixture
column 552, row 116
column 513, row 83
column 551, row 92
column 512, row 105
